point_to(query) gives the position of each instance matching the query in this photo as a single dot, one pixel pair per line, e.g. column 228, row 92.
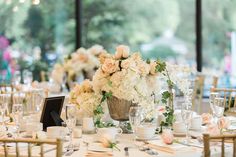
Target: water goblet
column 213, row 96
column 135, row 116
column 186, row 114
column 3, row 107
column 28, row 77
column 17, row 111
column 219, row 107
column 70, row 122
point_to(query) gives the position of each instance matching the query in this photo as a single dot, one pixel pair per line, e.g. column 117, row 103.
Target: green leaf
column 110, row 83
column 161, row 66
column 98, row 110
column 166, row 95
column 148, row 61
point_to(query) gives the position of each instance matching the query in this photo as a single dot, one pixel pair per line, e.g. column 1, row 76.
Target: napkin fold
column 98, row 154
column 172, row 149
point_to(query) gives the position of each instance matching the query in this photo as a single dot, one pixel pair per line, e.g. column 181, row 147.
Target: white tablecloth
column 126, row 140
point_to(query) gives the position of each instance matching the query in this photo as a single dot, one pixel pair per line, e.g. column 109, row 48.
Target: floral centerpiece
column 81, row 62
column 85, row 98
column 127, row 77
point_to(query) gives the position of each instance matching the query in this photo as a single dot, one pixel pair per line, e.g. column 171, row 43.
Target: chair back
column 229, row 95
column 30, row 143
column 221, row 138
column 198, row 90
column 8, row 89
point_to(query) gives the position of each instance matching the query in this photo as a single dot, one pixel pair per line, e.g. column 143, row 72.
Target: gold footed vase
column 119, row 110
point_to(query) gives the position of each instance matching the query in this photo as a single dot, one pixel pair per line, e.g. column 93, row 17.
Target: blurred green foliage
column 113, row 22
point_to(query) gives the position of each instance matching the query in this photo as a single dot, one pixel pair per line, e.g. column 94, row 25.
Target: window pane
column 46, row 30
column 157, row 28
column 218, row 27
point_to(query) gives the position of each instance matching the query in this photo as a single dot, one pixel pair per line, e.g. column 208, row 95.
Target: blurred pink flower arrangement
column 206, row 118
column 167, row 136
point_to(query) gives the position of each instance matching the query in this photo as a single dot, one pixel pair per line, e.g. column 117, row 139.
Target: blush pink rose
column 103, row 56
column 110, row 66
column 87, row 86
column 206, row 118
column 143, row 68
column 167, row 136
column 213, row 129
column 96, row 50
column 223, row 123
column 83, row 57
column 122, row 51
column 153, row 68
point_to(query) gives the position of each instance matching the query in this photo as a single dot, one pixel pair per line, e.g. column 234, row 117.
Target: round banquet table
column 124, row 140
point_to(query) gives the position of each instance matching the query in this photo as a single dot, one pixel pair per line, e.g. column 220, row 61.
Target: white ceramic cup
column 88, row 124
column 196, row 123
column 56, row 132
column 179, row 127
column 145, row 131
column 178, row 116
column 108, row 133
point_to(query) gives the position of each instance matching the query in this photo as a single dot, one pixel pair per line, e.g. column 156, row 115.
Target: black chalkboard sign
column 52, row 111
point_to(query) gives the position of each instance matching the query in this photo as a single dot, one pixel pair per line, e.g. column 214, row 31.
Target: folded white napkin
column 173, row 148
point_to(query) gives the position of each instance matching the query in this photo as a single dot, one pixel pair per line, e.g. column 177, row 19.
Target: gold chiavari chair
column 221, row 138
column 215, row 81
column 229, row 95
column 198, row 90
column 8, row 89
column 30, row 143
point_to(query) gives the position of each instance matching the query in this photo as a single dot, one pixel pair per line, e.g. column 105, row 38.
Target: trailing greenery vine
column 167, row 96
column 98, row 112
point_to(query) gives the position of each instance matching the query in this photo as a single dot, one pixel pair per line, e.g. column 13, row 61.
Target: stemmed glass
column 17, row 111
column 3, row 107
column 213, row 96
column 27, row 77
column 186, row 114
column 70, row 122
column 64, row 80
column 219, row 107
column 17, row 78
column 135, row 117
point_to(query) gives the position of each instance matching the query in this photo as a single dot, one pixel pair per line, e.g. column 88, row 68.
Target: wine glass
column 186, row 114
column 64, row 81
column 70, row 122
column 17, row 78
column 135, row 116
column 3, row 107
column 219, row 107
column 213, row 96
column 189, row 92
column 17, row 112
column 28, row 77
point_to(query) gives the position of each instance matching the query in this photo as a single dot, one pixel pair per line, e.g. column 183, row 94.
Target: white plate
column 98, row 147
column 6, row 119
